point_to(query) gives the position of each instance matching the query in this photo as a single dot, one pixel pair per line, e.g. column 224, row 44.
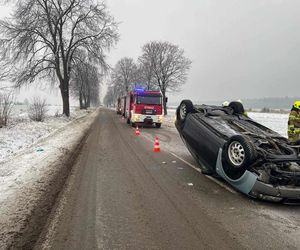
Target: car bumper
column 251, row 186
column 267, row 191
column 140, row 118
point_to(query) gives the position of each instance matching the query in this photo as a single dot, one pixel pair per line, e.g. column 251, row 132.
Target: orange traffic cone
column 156, row 145
column 137, row 131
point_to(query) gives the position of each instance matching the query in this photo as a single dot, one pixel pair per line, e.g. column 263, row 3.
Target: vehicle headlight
column 136, row 117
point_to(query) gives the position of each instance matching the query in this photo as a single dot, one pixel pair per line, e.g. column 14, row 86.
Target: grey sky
column 239, row 48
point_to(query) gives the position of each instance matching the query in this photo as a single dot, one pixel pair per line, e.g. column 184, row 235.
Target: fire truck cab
column 144, row 107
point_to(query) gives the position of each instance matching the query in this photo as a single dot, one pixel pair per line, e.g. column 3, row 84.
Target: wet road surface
column 122, row 195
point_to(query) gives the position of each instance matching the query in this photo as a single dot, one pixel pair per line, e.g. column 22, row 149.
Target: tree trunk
column 84, row 98
column 88, row 101
column 80, row 100
column 64, row 90
column 164, row 102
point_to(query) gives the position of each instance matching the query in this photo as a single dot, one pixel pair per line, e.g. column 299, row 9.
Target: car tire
column 128, row 121
column 239, row 153
column 133, row 124
column 185, row 107
column 237, row 108
column 157, row 125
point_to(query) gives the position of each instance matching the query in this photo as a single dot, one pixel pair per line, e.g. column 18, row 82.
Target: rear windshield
column 148, row 100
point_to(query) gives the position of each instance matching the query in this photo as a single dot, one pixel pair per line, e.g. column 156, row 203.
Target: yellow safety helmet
column 296, row 104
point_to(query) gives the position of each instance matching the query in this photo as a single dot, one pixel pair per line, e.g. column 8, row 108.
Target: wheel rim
column 236, row 153
column 182, row 111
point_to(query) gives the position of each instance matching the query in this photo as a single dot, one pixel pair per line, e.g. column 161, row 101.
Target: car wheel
column 157, row 125
column 239, row 153
column 237, row 108
column 128, row 121
column 133, row 124
column 185, row 107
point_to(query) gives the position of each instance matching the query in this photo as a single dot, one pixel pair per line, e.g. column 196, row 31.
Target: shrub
column 37, row 110
column 266, row 110
column 6, row 105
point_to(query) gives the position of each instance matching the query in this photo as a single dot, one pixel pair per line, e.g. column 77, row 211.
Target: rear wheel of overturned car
column 237, row 108
column 239, row 153
column 185, row 107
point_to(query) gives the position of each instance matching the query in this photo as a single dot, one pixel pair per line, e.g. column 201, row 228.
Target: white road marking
column 173, row 161
column 190, row 184
column 207, row 176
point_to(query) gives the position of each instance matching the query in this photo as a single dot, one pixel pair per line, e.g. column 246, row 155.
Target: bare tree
column 124, row 74
column 37, row 109
column 110, row 97
column 6, row 105
column 42, row 37
column 85, row 84
column 168, row 64
column 146, row 76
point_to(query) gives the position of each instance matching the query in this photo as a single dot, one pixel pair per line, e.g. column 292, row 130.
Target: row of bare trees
column 46, row 39
column 162, row 66
column 85, row 83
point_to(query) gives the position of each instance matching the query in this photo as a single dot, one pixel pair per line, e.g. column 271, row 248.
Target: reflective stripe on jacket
column 294, row 126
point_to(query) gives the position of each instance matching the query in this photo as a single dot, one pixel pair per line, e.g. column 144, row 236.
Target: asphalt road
column 122, row 195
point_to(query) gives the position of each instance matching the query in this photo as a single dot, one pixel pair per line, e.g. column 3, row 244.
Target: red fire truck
column 144, row 107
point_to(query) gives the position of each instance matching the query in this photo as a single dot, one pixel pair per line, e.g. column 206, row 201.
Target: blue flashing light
column 139, row 89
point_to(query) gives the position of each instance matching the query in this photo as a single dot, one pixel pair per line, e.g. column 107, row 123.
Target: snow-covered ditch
column 31, row 176
column 22, row 132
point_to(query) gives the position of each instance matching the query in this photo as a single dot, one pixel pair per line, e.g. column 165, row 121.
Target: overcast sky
column 239, row 48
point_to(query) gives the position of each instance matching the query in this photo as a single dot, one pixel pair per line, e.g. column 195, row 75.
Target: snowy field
column 274, row 121
column 21, row 132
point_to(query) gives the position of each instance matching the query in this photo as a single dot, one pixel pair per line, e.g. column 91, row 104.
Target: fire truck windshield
column 156, row 100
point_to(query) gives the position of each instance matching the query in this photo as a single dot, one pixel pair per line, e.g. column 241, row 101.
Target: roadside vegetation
column 37, row 110
column 6, row 105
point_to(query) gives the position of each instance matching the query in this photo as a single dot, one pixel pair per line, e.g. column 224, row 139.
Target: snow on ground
column 274, row 121
column 30, row 180
column 22, row 132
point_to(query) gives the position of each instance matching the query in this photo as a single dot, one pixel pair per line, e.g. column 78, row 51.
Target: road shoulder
column 32, row 181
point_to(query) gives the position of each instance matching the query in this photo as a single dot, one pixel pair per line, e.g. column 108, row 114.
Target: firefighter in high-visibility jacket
column 294, row 123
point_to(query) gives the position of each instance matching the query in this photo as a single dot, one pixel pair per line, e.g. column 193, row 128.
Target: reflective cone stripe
column 156, row 145
column 137, row 131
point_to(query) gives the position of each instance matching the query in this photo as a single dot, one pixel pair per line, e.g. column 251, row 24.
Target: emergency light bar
column 139, row 89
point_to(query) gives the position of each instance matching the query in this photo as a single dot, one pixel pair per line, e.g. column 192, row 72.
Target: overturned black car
column 251, row 157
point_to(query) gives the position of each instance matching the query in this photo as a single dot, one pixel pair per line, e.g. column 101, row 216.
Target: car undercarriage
column 225, row 141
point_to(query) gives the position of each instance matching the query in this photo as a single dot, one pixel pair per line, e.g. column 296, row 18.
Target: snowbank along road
column 31, row 181
column 122, row 195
